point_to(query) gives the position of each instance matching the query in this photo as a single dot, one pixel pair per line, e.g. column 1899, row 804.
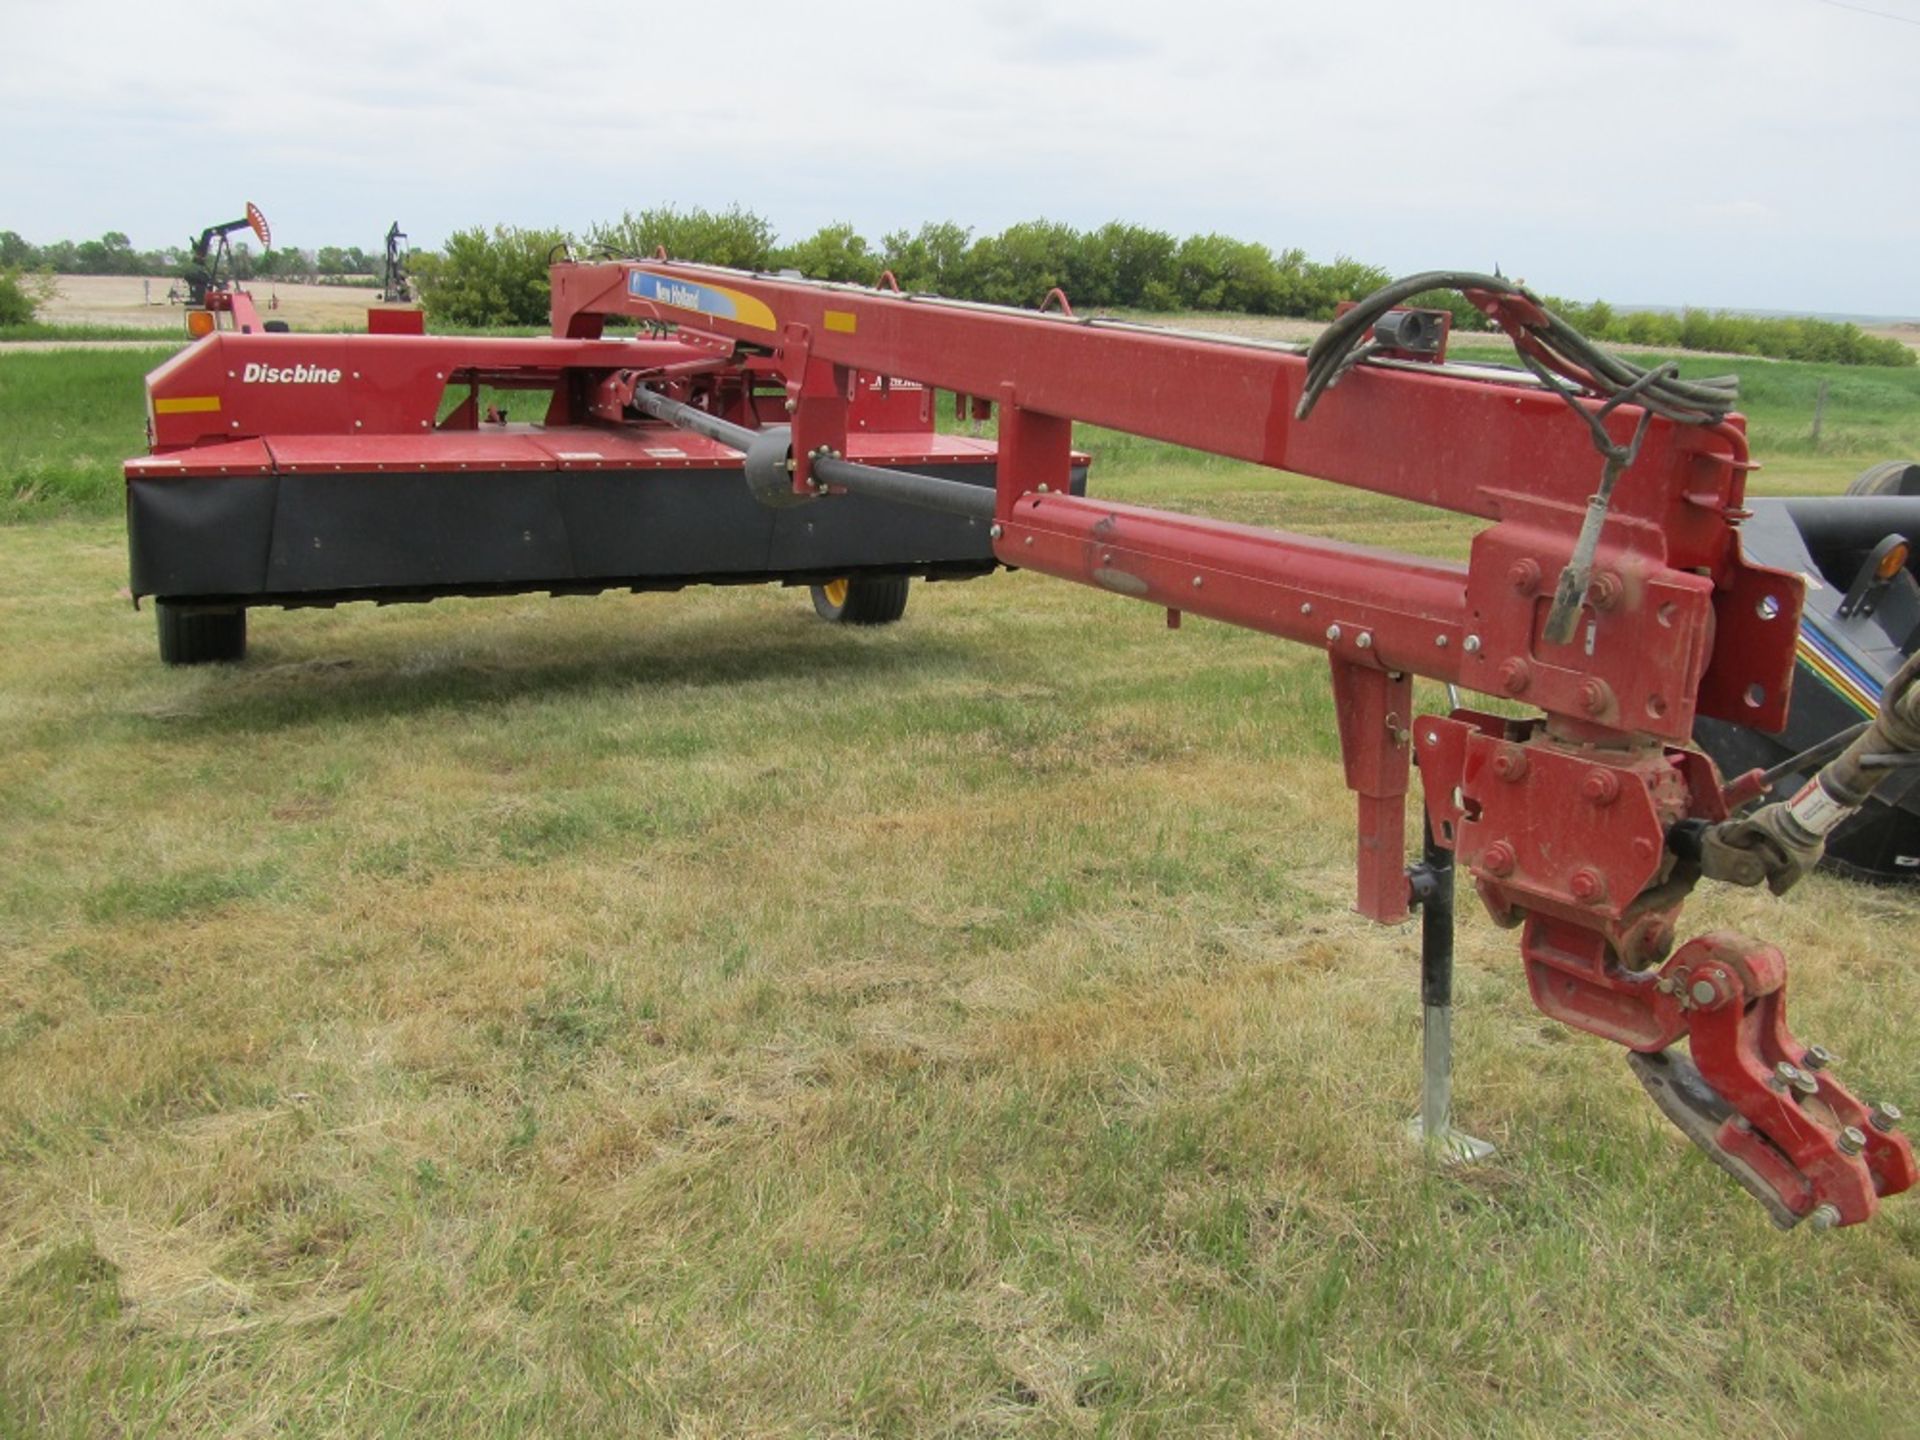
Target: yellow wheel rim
column 836, row 592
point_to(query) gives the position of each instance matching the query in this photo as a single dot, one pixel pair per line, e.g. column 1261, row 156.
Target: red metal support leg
column 1375, row 710
column 1036, row 455
column 820, row 408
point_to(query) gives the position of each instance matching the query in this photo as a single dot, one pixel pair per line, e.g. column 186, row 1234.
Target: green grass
column 1872, row 414
column 661, row 1014
column 173, row 333
column 651, row 1013
column 68, row 419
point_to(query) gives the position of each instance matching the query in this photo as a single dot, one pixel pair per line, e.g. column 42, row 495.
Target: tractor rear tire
column 200, row 637
column 862, row 599
column 1889, row 477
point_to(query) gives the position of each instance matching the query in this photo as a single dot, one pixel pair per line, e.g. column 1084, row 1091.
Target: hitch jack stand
column 1431, row 882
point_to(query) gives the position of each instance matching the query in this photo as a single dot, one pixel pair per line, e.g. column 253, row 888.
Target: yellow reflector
column 1892, row 562
column 186, row 404
column 199, row 322
column 843, row 321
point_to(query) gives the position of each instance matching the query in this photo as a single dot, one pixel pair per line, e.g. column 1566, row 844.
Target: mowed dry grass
column 672, row 1015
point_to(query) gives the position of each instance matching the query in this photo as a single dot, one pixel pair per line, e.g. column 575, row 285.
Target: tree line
column 113, row 254
column 497, row 276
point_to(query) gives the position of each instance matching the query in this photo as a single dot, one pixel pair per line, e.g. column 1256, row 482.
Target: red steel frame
column 1562, row 821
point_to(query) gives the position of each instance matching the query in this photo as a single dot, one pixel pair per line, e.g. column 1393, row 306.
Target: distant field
column 120, row 302
column 672, row 1015
column 1907, row 332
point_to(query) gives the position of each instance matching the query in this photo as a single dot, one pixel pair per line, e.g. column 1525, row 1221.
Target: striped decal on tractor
column 1839, row 673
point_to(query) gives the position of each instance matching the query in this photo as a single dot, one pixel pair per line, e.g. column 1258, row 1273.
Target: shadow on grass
column 274, row 690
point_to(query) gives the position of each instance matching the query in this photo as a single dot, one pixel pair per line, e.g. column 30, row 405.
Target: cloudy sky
column 1719, row 152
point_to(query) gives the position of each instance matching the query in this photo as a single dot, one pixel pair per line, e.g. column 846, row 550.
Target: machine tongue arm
column 1561, row 823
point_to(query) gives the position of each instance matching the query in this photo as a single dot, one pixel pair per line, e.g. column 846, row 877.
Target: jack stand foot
column 1454, row 1147
column 1433, row 1126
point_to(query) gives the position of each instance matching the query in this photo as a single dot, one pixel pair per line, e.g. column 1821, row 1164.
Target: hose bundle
column 1556, row 352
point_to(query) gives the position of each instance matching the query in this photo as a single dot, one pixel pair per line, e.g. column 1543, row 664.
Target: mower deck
column 320, row 519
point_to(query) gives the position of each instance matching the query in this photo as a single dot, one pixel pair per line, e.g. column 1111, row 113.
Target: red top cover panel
column 525, row 447
column 236, row 457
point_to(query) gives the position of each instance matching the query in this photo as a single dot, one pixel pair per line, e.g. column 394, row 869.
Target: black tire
column 1889, row 477
column 274, row 327
column 862, row 599
column 200, row 637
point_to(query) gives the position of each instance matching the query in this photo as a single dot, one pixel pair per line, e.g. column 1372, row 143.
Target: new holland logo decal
column 719, row 301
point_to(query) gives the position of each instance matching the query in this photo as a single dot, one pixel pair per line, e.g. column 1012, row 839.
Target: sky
column 1742, row 153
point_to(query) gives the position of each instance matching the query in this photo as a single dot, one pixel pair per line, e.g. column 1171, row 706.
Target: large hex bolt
column 1885, row 1115
column 1510, row 762
column 1498, row 858
column 1818, row 1057
column 1588, row 885
column 1594, row 696
column 1606, row 591
column 1851, row 1141
column 1515, row 675
column 1524, row 576
column 1600, row 787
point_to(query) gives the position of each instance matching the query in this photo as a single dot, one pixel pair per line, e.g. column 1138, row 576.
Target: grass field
column 67, row 420
column 673, row 1015
column 38, row 330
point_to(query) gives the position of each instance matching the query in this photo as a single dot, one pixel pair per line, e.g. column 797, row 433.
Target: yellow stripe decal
column 1844, row 685
column 186, row 404
column 843, row 321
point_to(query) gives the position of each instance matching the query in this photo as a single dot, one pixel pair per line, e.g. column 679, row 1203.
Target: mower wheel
column 861, row 599
column 1889, row 477
column 200, row 637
